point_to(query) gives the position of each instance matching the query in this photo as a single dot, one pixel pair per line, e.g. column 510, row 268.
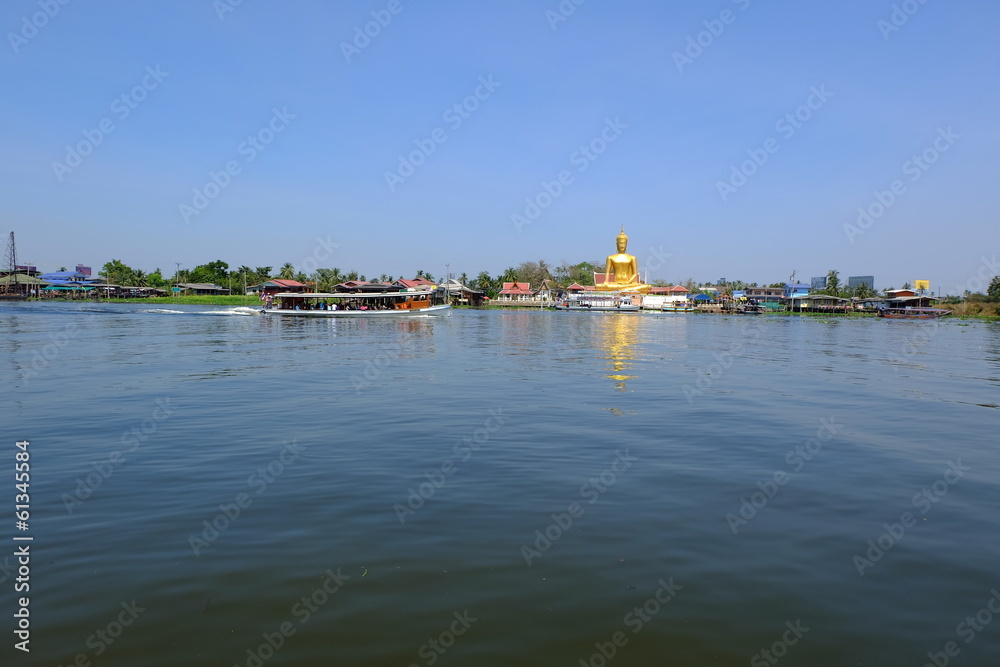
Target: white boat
column 401, row 303
column 596, row 301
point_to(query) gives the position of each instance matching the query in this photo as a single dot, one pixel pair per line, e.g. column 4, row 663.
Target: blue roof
column 64, row 276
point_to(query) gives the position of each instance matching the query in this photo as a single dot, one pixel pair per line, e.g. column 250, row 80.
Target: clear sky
column 731, row 138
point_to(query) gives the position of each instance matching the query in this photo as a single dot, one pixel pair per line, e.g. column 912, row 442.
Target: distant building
column 461, row 294
column 515, row 292
column 63, row 277
column 795, row 290
column 202, row 288
column 818, row 283
column 765, row 294
column 549, row 290
column 276, row 285
column 858, row 281
column 416, row 283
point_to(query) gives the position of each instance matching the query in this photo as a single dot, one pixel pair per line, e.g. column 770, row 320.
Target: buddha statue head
column 622, row 240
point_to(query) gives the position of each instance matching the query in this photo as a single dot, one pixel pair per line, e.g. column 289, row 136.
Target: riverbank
column 973, row 310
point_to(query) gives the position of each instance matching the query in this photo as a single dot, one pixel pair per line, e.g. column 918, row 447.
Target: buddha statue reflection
column 621, row 272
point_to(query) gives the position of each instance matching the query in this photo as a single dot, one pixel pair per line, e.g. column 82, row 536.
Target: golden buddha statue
column 621, row 272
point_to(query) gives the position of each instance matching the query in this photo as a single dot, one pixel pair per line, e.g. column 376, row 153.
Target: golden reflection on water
column 616, row 337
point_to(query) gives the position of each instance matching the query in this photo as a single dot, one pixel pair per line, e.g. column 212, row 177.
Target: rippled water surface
column 214, row 487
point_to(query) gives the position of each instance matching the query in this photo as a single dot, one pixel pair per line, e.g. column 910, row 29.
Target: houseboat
column 400, row 303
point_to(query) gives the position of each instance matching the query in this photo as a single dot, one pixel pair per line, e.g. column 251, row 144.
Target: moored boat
column 613, row 301
column 912, row 313
column 400, row 303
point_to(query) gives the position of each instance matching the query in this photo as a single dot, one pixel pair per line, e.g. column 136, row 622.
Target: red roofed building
column 576, row 288
column 515, row 292
column 415, row 283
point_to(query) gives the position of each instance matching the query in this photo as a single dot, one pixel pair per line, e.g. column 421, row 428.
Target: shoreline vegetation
column 969, row 310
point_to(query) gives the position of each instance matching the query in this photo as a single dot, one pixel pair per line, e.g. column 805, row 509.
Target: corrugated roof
column 23, row 279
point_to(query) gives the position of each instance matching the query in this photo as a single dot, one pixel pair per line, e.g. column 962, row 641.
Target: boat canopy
column 351, row 295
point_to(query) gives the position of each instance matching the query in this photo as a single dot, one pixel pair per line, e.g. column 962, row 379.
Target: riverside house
column 514, row 294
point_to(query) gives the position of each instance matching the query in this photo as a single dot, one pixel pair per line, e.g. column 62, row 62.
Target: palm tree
column 287, row 271
column 833, row 283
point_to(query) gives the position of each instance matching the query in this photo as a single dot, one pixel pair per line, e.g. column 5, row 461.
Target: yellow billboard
column 922, row 284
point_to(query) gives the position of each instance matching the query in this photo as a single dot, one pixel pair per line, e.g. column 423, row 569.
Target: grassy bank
column 979, row 309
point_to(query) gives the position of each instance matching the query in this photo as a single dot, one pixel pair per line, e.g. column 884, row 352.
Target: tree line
column 536, row 274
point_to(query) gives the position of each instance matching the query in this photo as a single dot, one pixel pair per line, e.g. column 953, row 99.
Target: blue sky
column 747, row 156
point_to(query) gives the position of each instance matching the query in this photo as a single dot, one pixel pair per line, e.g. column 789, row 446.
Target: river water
column 213, row 487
